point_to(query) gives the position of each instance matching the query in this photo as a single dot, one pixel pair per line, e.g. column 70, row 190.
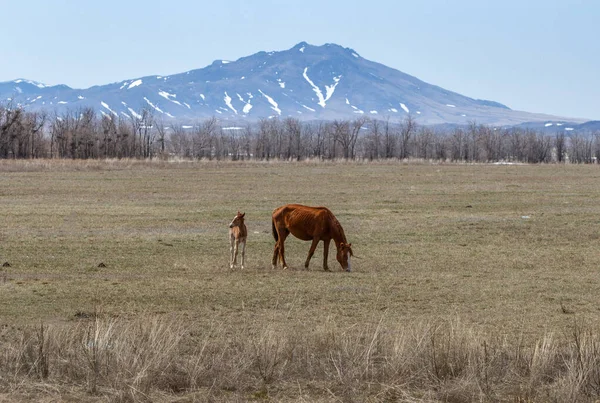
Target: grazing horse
column 237, row 235
column 309, row 224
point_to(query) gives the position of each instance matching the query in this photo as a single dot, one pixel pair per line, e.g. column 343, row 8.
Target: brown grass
column 165, row 358
column 476, row 283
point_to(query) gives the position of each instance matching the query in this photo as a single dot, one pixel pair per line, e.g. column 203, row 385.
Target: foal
column 237, row 235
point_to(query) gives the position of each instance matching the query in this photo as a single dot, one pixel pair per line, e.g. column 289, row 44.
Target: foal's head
column 343, row 255
column 238, row 220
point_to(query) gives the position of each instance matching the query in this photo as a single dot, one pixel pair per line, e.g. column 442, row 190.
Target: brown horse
column 237, row 235
column 309, row 224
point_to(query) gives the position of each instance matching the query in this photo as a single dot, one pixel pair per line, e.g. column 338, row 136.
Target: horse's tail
column 274, row 230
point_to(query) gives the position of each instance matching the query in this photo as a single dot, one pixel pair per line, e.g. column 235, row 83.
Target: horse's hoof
column 348, row 270
column 243, row 268
column 285, row 267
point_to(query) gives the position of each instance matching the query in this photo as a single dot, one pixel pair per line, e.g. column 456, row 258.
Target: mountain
column 307, row 82
column 555, row 126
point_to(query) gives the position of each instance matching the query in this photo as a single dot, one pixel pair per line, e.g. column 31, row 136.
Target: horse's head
column 343, row 255
column 237, row 220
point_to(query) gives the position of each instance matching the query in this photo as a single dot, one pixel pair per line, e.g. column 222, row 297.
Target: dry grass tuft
column 155, row 357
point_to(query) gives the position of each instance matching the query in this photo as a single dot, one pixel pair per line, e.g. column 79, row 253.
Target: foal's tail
column 274, row 230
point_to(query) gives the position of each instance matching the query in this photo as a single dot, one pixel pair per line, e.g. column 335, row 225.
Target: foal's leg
column 231, row 242
column 235, row 252
column 311, row 252
column 243, row 252
column 325, row 253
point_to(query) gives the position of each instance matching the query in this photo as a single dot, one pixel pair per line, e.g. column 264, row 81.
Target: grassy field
column 507, row 251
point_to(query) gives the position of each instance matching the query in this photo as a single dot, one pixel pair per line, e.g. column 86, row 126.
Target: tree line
column 82, row 133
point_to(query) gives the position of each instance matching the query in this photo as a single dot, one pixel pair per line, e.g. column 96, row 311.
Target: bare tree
column 390, row 140
column 346, row 134
column 442, row 147
column 270, row 139
column 35, row 123
column 142, row 128
column 560, row 146
column 204, row 138
column 161, row 135
column 181, row 142
column 491, row 143
column 82, row 133
column 517, row 144
column 126, row 139
column 10, row 119
column 458, row 144
column 86, row 146
column 373, row 140
column 73, row 133
column 472, row 142
column 58, row 132
column 293, row 129
column 341, row 135
column 538, row 147
column 21, row 133
column 425, row 143
column 581, row 148
column 407, row 129
column 596, row 137
column 247, row 138
column 108, row 145
column 318, row 145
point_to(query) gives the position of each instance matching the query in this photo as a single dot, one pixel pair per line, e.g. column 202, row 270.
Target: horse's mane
column 337, row 228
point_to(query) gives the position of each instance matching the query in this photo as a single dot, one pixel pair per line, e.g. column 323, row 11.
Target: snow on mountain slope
column 307, row 82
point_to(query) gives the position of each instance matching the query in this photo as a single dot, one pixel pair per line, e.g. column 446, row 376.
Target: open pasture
column 504, row 249
column 501, row 247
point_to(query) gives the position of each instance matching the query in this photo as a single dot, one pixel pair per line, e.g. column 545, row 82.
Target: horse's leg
column 275, row 254
column 243, row 252
column 278, row 250
column 282, row 236
column 311, row 251
column 231, row 242
column 325, row 253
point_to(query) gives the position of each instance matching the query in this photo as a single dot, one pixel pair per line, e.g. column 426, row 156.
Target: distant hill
column 307, row 82
column 561, row 125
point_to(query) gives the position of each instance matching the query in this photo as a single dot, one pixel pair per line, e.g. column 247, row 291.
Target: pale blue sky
column 532, row 55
